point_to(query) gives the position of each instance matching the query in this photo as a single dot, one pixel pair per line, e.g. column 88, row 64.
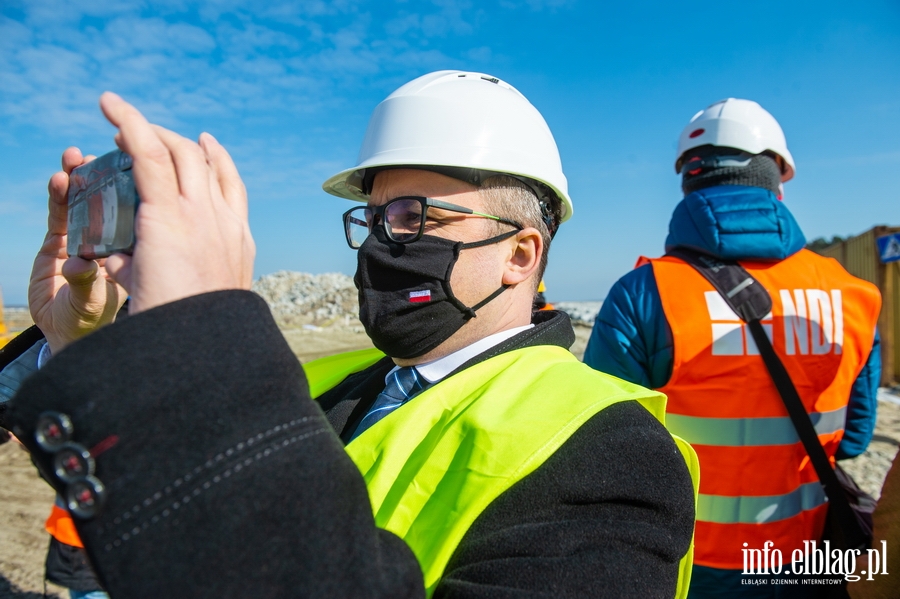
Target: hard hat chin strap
column 697, row 164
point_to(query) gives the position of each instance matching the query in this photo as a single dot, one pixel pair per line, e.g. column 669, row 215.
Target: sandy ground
column 25, row 502
column 25, row 499
column 309, row 344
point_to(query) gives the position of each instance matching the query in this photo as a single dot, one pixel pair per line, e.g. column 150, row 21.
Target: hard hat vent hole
column 491, row 79
column 697, row 133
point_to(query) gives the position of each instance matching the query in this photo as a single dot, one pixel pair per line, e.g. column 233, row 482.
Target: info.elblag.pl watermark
column 815, row 559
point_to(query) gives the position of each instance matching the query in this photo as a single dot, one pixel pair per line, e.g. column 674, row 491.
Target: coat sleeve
column 631, row 338
column 212, row 470
column 862, row 409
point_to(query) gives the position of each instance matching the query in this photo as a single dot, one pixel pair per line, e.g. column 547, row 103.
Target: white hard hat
column 460, row 121
column 741, row 124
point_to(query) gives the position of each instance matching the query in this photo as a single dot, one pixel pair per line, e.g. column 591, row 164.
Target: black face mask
column 405, row 301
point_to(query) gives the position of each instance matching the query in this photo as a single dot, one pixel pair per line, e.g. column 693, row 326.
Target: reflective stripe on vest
column 758, row 484
column 748, row 432
column 61, row 526
column 760, row 509
column 433, row 465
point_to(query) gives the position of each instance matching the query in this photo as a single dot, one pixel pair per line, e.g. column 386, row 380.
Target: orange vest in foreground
column 60, row 525
column 756, row 481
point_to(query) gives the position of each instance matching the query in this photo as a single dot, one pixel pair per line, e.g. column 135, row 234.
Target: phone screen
column 102, row 206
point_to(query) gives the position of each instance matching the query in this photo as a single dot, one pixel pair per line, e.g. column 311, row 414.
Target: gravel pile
column 302, row 300
column 870, row 468
column 581, row 313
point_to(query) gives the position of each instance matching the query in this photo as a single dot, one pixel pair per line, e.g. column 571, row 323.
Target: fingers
column 58, row 204
column 227, row 186
column 88, row 289
column 58, row 189
column 192, row 231
column 71, row 158
column 80, row 274
column 154, row 170
column 118, row 267
column 190, row 164
column 229, row 180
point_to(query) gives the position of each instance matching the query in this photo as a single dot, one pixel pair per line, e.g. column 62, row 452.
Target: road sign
column 889, row 247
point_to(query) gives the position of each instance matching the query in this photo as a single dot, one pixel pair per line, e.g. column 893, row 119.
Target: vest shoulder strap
column 738, row 288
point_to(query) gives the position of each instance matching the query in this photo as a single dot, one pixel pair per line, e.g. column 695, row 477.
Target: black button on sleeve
column 72, row 462
column 52, row 431
column 85, row 497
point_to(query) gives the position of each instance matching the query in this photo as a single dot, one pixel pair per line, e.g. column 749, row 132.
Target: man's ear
column 524, row 257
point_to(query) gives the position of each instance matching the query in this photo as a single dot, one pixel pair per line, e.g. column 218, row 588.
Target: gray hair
column 512, row 199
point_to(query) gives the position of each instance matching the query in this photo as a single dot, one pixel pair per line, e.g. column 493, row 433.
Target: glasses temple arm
column 448, row 206
column 464, row 210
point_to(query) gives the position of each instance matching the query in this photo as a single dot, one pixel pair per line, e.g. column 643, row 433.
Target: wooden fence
column 859, row 255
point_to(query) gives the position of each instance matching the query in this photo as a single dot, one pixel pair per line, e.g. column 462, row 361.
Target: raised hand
column 68, row 297
column 191, row 227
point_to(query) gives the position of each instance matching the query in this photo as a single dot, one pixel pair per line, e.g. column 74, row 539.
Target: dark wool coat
column 223, row 479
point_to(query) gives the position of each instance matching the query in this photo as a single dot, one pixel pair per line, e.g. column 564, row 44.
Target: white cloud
column 326, row 36
column 452, row 18
column 287, row 58
column 134, row 34
column 253, row 37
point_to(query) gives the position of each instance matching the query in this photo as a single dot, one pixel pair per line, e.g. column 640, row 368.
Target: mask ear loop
column 482, row 303
column 470, row 312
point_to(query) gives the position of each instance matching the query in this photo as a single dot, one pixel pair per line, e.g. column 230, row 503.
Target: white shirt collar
column 437, row 369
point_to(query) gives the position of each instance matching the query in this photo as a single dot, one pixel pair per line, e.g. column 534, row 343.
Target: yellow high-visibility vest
column 433, row 465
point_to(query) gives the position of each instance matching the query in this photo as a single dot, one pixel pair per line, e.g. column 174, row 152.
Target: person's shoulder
column 616, row 497
column 624, row 451
column 626, row 428
column 628, row 447
column 634, row 297
column 637, row 279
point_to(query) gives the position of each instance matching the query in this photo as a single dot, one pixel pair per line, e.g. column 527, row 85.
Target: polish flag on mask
column 420, row 296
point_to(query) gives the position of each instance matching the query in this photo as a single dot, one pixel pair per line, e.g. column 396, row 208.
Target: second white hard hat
column 457, row 120
column 735, row 123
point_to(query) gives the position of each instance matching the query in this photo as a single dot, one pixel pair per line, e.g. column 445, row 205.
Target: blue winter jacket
column 631, row 337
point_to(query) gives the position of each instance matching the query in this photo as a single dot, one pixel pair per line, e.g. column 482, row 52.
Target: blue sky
column 288, row 88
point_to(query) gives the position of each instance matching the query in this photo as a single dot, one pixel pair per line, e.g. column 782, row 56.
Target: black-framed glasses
column 403, row 219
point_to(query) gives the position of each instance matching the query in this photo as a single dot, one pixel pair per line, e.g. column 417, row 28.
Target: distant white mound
column 299, row 299
column 582, row 313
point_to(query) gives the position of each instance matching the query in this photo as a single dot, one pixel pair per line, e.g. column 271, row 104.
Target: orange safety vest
column 61, row 526
column 756, row 481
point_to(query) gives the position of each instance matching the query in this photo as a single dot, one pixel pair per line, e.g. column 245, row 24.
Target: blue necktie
column 402, row 385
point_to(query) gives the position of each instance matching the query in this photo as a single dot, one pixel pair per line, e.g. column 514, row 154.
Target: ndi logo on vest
column 815, row 559
column 813, row 323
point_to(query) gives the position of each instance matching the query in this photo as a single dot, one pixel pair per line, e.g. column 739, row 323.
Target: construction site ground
column 25, row 499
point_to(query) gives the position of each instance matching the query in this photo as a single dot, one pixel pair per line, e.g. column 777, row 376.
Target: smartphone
column 102, row 204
